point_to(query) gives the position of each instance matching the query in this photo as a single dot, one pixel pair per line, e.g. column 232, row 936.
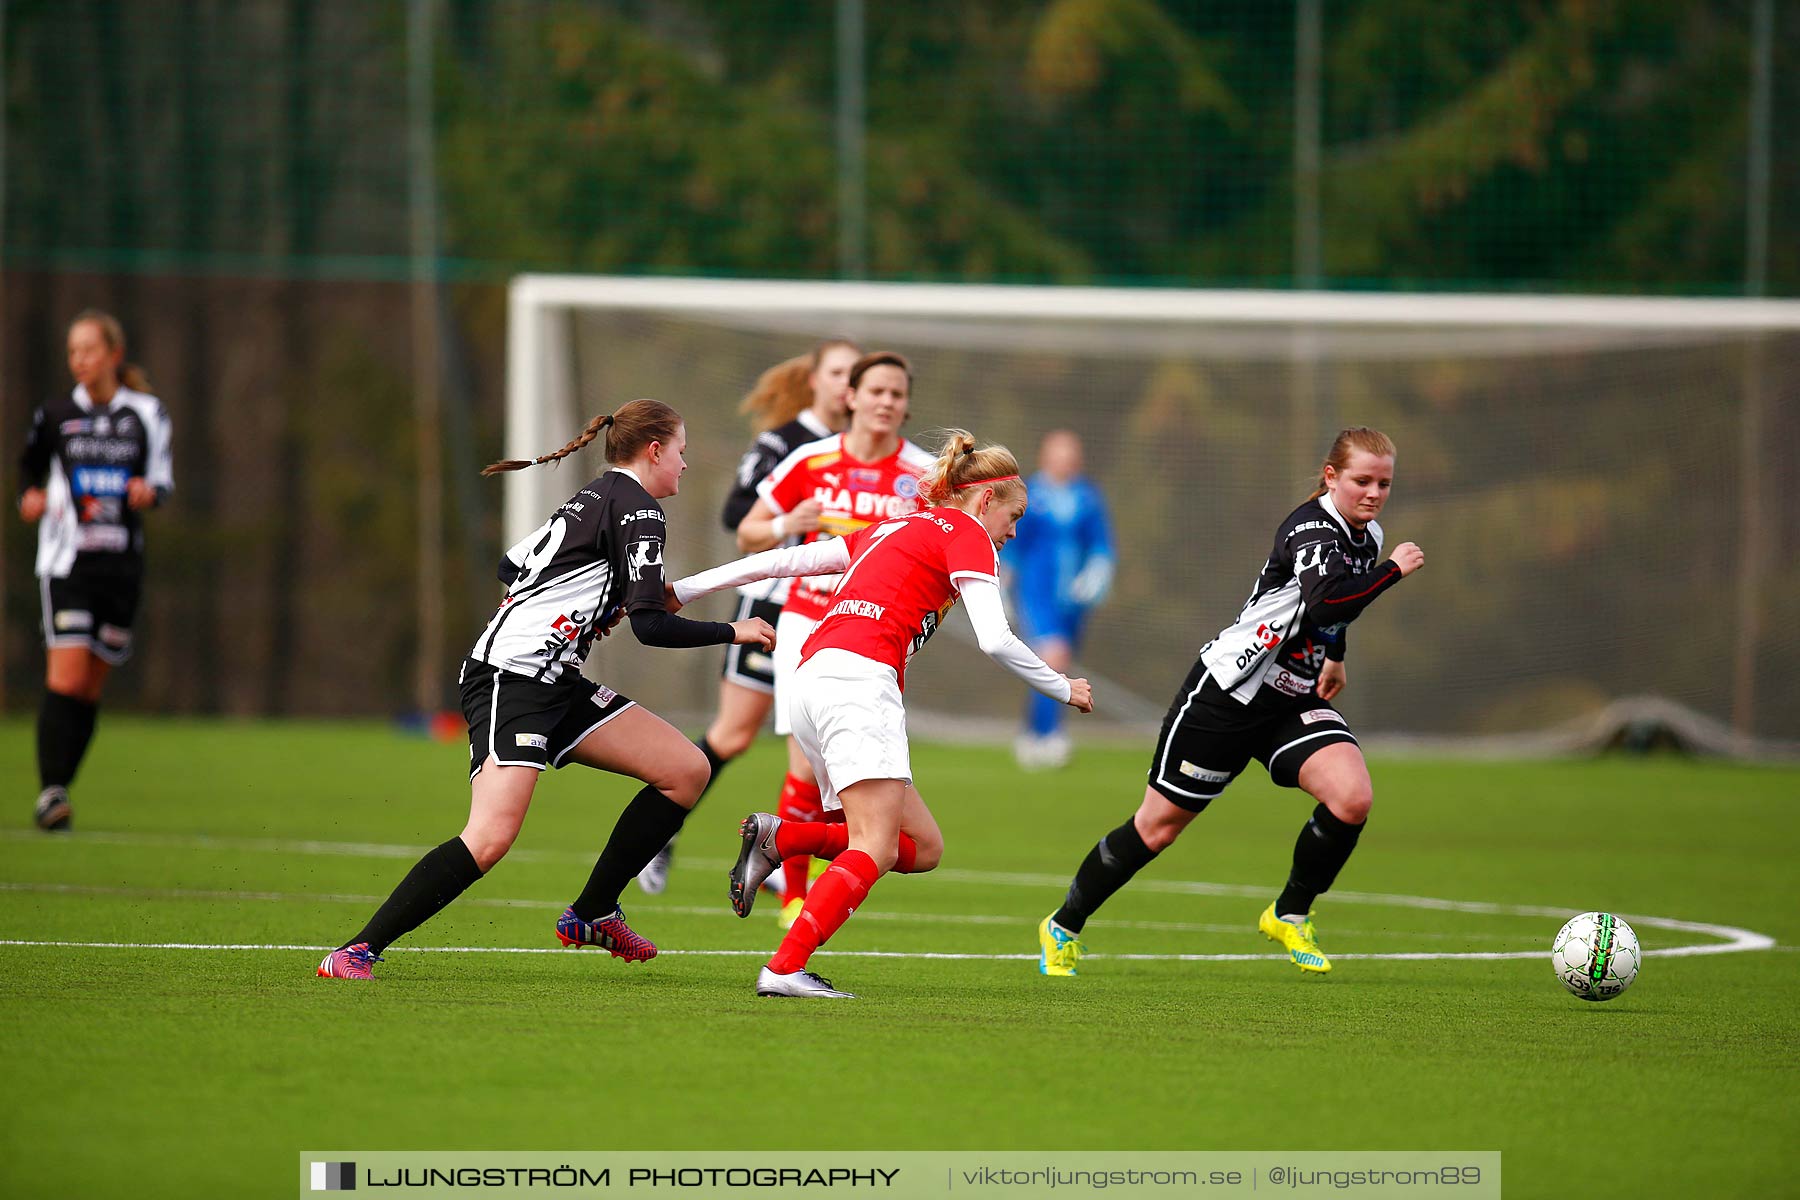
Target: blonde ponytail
column 960, row 465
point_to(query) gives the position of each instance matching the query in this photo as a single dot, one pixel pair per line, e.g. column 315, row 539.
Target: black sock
column 645, row 827
column 1108, row 867
column 1320, row 852
column 65, row 726
column 435, row 880
column 714, row 764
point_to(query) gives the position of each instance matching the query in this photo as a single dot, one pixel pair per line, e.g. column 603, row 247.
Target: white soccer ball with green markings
column 1595, row 955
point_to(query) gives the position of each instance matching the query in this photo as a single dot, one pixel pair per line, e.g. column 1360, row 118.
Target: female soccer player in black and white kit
column 94, row 460
column 598, row 557
column 794, row 402
column 1263, row 689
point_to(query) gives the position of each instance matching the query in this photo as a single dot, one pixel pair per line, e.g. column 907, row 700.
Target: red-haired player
column 900, row 578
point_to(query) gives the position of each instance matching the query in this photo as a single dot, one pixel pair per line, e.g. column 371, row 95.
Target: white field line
column 1490, row 956
column 686, row 910
column 1733, row 939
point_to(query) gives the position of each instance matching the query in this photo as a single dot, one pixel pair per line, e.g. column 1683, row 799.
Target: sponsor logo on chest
column 870, row 505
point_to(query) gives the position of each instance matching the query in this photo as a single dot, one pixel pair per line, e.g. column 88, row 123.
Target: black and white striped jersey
column 763, row 456
column 1321, row 574
column 600, row 553
column 82, row 454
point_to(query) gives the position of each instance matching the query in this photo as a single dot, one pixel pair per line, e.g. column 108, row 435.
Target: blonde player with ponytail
column 900, row 578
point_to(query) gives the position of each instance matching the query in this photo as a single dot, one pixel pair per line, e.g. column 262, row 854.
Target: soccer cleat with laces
column 352, row 962
column 1295, row 934
column 757, row 859
column 1058, row 949
column 655, row 875
column 802, row 985
column 53, row 813
column 610, row 933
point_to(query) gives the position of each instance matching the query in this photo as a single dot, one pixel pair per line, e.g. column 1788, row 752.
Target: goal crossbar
column 540, row 390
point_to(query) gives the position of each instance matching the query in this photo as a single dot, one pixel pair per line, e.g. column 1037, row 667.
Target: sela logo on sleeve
column 642, row 555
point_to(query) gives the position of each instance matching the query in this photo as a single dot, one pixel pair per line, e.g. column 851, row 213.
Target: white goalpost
column 1538, row 435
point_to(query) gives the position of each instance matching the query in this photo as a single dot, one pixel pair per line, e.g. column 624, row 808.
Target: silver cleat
column 756, row 861
column 802, row 985
column 655, row 875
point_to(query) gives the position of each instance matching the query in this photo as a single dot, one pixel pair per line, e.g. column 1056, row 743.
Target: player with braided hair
column 596, row 560
column 900, row 578
column 799, row 400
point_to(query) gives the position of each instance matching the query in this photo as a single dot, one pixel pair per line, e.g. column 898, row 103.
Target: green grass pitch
column 182, row 1072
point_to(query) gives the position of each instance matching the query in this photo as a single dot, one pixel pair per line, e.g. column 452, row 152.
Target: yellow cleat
column 1296, row 936
column 1058, row 949
column 790, row 912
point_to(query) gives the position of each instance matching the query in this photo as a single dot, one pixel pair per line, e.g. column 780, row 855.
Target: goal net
column 1598, row 483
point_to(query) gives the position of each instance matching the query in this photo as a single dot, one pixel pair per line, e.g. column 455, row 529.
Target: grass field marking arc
column 1733, row 940
column 1483, row 956
column 1012, row 921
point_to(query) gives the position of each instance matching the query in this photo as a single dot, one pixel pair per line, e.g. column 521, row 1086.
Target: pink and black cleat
column 610, row 933
column 352, row 962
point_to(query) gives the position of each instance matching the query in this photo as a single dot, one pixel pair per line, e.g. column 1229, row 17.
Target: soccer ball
column 1595, row 956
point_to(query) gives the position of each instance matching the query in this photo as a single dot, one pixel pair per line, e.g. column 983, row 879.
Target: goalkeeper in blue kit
column 1059, row 567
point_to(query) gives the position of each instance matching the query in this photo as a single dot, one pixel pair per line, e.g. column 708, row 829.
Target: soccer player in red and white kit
column 830, row 488
column 900, row 578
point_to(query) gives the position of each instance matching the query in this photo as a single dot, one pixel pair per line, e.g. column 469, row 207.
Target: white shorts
column 849, row 722
column 791, row 632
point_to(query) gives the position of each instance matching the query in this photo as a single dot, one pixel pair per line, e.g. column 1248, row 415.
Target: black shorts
column 752, row 666
column 1208, row 738
column 92, row 609
column 523, row 722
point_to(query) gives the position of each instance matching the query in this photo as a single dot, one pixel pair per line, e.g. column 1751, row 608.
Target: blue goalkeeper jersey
column 1061, row 563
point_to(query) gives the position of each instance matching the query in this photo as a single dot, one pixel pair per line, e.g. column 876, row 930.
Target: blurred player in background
column 1263, row 689
column 1059, row 567
column 866, row 474
column 899, row 579
column 794, row 402
column 599, row 557
column 93, row 461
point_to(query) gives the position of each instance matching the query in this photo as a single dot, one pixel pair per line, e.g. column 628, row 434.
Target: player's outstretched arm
column 981, row 597
column 815, row 558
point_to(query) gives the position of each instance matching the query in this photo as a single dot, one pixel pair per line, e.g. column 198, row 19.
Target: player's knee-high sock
column 834, row 897
column 1108, row 867
column 820, row 839
column 1320, row 852
column 714, row 762
column 645, row 827
column 435, row 880
column 800, row 803
column 1043, row 716
column 64, row 729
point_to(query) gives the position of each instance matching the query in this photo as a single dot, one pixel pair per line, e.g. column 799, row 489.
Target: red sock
column 835, row 897
column 822, row 840
column 801, row 805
